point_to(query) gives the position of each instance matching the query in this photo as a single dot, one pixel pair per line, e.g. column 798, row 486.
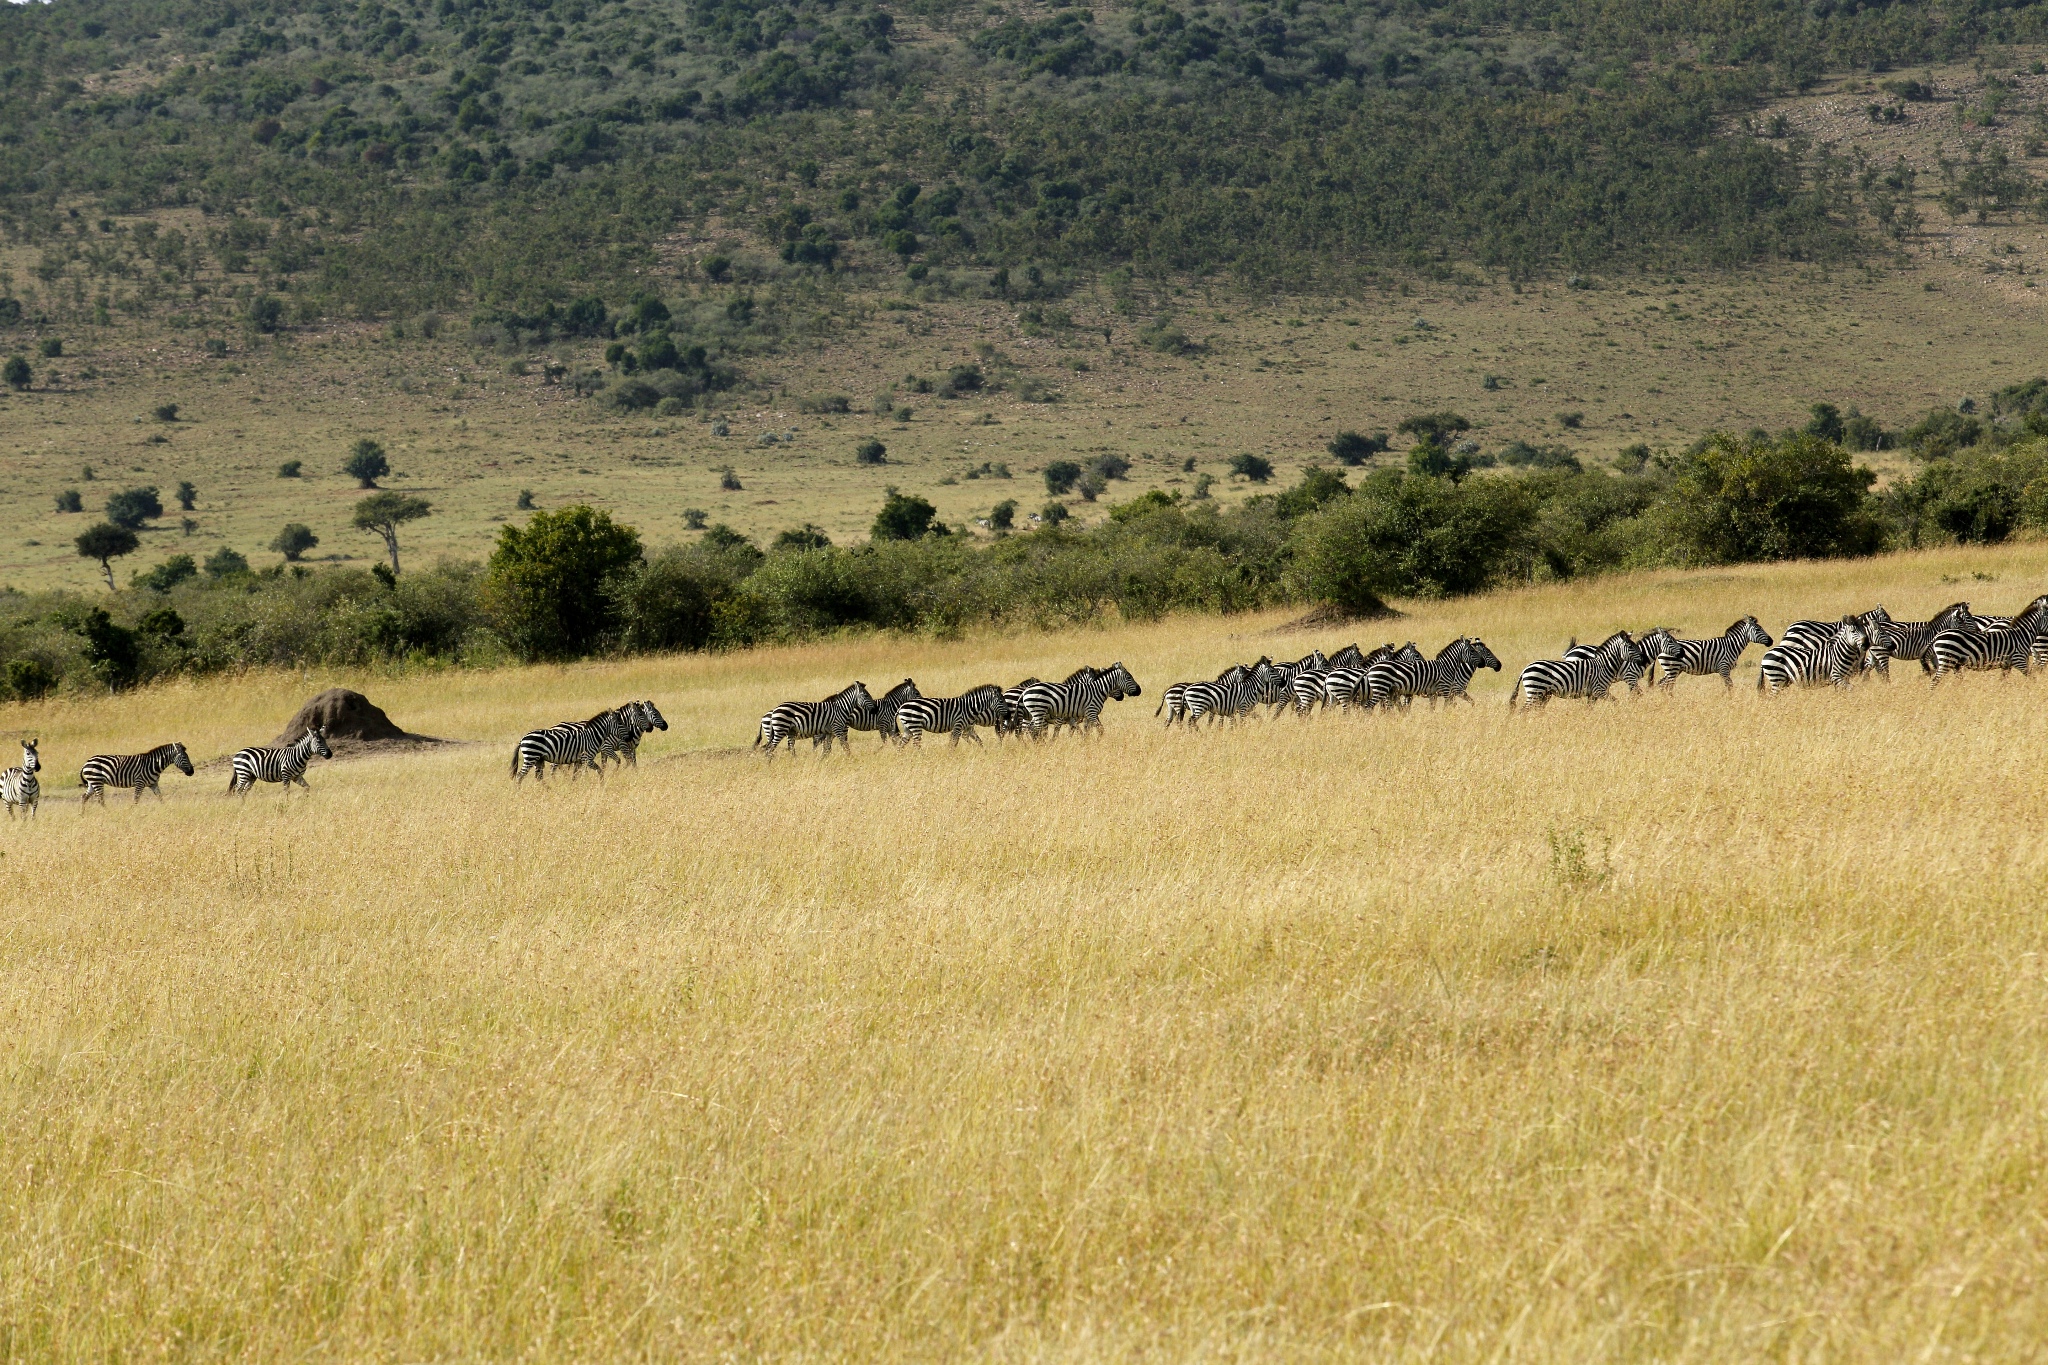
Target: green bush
column 1061, row 476
column 549, row 587
column 294, row 540
column 1748, row 499
column 366, row 463
column 17, row 374
column 131, row 507
column 904, row 516
column 1415, row 536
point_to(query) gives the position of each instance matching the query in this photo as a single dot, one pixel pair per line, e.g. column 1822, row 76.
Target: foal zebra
column 286, row 764
column 1590, row 676
column 1443, row 678
column 829, row 719
column 1698, row 658
column 1078, row 701
column 139, row 771
column 1804, row 663
column 20, row 786
column 2003, row 648
column 981, row 705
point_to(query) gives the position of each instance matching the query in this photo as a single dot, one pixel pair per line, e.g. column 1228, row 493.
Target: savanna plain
column 1695, row 1027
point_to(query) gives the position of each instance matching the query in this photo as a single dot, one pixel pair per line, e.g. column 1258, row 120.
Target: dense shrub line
column 573, row 583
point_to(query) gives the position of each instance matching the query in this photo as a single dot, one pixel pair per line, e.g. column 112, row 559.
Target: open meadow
column 1689, row 1028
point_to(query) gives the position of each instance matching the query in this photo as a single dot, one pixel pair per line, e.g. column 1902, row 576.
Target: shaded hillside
column 384, row 158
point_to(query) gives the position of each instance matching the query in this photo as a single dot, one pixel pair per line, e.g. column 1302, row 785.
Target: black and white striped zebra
column 1279, row 691
column 286, row 763
column 140, row 771
column 633, row 721
column 1802, row 662
column 1444, row 678
column 1698, row 658
column 1891, row 639
column 882, row 720
column 1344, row 686
column 574, row 744
column 1591, row 676
column 828, row 720
column 1230, row 695
column 1014, row 715
column 959, row 715
column 1078, row 701
column 20, row 786
column 1636, row 666
column 2002, row 648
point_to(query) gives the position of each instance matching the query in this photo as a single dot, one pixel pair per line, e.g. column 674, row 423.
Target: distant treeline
column 1444, row 521
column 381, row 159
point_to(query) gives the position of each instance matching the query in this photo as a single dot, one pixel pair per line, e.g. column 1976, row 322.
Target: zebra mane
column 1081, row 674
column 902, row 691
column 1444, row 655
column 849, row 692
column 985, row 690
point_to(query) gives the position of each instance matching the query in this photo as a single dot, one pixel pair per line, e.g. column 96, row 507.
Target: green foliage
column 805, row 537
column 1434, row 428
column 167, row 575
column 905, row 516
column 188, row 495
column 1747, row 499
column 1412, row 535
column 366, row 463
column 294, row 540
column 1256, row 468
column 1351, row 448
column 1943, row 432
column 549, row 587
column 291, row 469
column 226, row 563
column 106, row 542
column 871, row 452
column 51, row 348
column 29, row 679
column 1061, row 476
column 1003, row 515
column 1978, row 496
column 110, row 649
column 70, row 501
column 165, row 412
column 16, row 373
column 131, row 507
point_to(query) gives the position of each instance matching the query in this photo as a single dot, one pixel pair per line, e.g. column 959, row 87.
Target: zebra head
column 1269, row 681
column 181, row 760
column 1851, row 635
column 1620, row 649
column 2034, row 619
column 858, row 701
column 1479, row 655
column 650, row 717
column 30, row 761
column 316, row 741
column 1121, row 683
column 1954, row 616
column 1750, row 633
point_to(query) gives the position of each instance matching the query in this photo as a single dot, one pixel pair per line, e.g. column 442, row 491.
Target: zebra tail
column 1161, row 707
column 515, row 762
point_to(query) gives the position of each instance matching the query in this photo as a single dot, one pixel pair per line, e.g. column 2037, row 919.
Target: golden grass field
column 1691, row 1028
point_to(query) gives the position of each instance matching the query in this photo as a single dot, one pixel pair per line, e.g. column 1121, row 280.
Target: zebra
column 1231, row 695
column 883, row 719
column 2003, row 648
column 1589, row 676
column 1443, row 678
column 1636, row 666
column 1345, row 687
column 1279, row 692
column 286, row 764
column 1891, row 639
column 981, row 705
column 1077, row 701
column 20, row 786
column 635, row 719
column 574, row 744
column 139, row 771
column 1802, row 663
column 829, row 719
column 1701, row 657
column 1012, row 721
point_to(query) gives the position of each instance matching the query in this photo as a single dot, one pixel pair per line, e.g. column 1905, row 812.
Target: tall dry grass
column 1695, row 1028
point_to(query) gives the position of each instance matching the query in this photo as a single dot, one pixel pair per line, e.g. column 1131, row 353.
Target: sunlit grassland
column 1690, row 1028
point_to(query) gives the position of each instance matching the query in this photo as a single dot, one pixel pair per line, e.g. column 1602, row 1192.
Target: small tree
column 804, row 537
column 904, row 516
column 167, row 575
column 188, row 495
column 1434, row 428
column 17, row 374
column 294, row 540
column 384, row 513
column 871, row 452
column 51, row 347
column 107, row 542
column 550, row 585
column 1257, row 468
column 290, row 469
column 366, row 463
column 70, row 501
column 225, row 563
column 1053, row 513
column 525, row 500
column 132, row 506
column 1061, row 476
column 694, row 518
column 729, row 480
column 1003, row 515
column 1352, row 448
column 165, row 412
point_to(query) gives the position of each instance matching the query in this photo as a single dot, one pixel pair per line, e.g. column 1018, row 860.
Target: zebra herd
column 1033, row 708
column 1808, row 653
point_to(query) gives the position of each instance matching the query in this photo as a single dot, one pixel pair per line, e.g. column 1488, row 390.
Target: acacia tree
column 366, row 463
column 107, row 542
column 383, row 513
